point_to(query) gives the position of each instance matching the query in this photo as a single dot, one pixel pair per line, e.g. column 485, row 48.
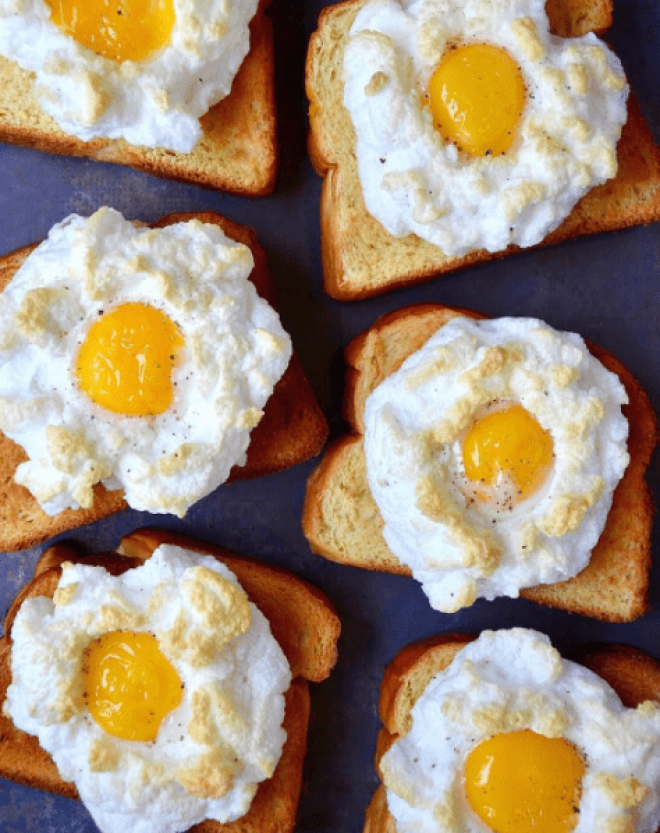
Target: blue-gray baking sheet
column 605, row 287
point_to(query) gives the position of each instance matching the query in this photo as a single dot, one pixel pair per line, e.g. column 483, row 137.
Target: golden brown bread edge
column 633, row 674
column 342, row 523
column 237, row 153
column 302, row 620
column 292, row 429
column 361, row 259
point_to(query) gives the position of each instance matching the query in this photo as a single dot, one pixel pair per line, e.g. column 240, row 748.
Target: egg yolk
column 130, row 686
column 522, row 781
column 121, row 30
column 477, row 95
column 507, row 445
column 126, row 361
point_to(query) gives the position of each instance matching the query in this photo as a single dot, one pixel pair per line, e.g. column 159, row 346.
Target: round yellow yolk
column 129, row 685
column 508, row 444
column 519, row 782
column 121, row 30
column 477, row 95
column 126, row 361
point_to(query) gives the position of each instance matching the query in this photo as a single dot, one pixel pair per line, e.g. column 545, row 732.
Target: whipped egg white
column 212, row 750
column 492, row 455
column 564, row 106
column 512, row 732
column 140, row 358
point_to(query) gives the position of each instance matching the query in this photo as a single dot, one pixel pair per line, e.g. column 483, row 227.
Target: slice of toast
column 237, row 153
column 633, row 674
column 342, row 523
column 302, row 620
column 292, row 429
column 360, row 258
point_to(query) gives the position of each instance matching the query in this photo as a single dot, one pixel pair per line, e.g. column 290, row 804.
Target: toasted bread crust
column 305, row 624
column 292, row 429
column 238, row 150
column 408, row 674
column 361, row 259
column 378, row 819
column 342, row 523
column 633, row 674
